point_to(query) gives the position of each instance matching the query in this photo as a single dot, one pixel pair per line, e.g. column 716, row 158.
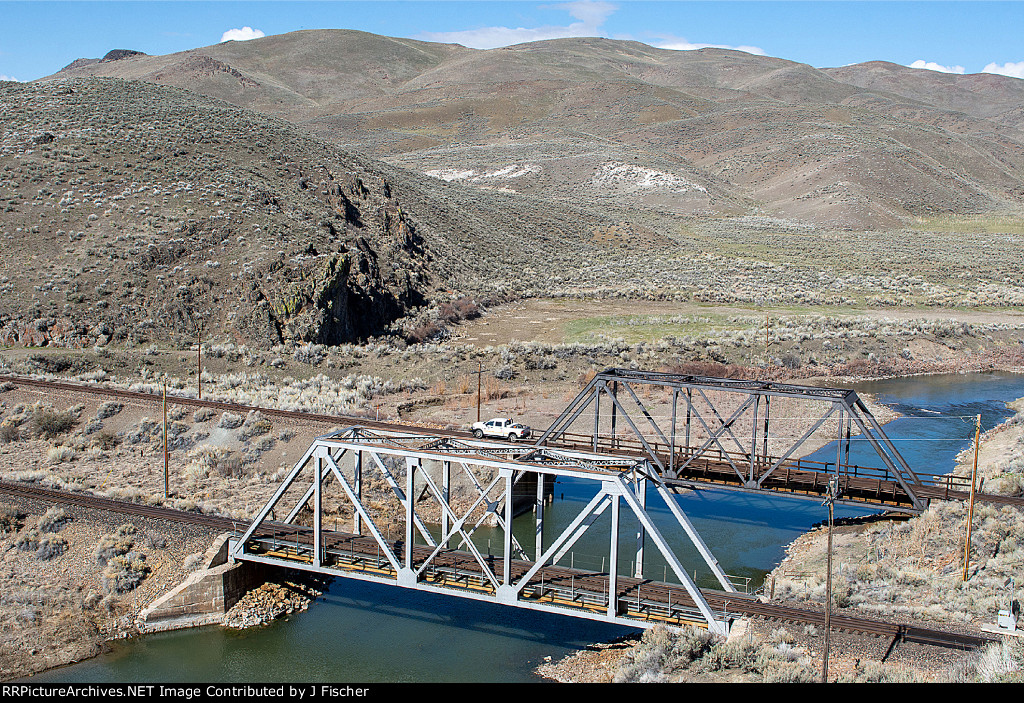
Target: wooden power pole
column 166, row 472
column 199, row 363
column 830, row 498
column 970, row 504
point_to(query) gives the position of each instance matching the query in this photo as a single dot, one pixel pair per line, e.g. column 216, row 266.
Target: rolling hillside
column 621, row 124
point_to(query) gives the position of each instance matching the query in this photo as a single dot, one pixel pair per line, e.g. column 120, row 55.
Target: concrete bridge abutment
column 205, row 595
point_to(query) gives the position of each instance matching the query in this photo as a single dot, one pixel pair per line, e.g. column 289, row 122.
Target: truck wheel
column 479, row 434
column 512, row 437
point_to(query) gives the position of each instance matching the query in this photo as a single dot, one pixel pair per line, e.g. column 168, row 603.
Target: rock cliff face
column 150, row 214
column 332, row 297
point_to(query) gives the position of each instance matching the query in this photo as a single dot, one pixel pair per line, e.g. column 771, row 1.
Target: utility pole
column 479, row 375
column 199, row 362
column 970, row 504
column 830, row 498
column 166, row 479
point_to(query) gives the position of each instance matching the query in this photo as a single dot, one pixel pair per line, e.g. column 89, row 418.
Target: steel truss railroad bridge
column 718, row 434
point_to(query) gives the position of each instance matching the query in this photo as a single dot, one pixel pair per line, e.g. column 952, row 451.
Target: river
column 364, row 632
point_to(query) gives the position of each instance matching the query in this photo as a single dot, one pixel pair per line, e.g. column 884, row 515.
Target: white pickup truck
column 501, row 427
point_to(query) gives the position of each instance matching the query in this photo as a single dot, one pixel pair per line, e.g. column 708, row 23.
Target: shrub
column 206, row 460
column 11, row 518
column 109, row 409
column 59, row 455
column 51, row 546
column 118, row 543
column 125, row 572
column 52, row 423
column 310, row 353
column 28, row 541
column 424, row 332
column 458, row 310
column 788, row 672
column 105, row 440
column 505, row 373
column 203, row 414
column 54, row 520
column 661, row 649
column 255, row 425
column 230, row 421
column 9, row 433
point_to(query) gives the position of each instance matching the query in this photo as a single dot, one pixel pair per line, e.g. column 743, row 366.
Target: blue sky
column 38, row 38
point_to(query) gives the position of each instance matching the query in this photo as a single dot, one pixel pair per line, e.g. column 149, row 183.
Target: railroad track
column 552, row 579
column 706, row 474
column 48, row 495
column 106, row 392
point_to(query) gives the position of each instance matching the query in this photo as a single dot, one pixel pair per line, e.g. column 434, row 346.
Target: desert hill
column 136, row 213
column 619, row 124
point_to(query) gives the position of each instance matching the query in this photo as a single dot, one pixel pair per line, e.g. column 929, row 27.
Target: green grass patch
column 648, row 328
column 968, row 224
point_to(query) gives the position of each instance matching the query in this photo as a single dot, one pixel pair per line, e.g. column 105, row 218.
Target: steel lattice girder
column 719, row 426
column 620, row 481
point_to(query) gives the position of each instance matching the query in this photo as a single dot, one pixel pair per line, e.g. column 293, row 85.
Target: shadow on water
column 358, row 632
column 366, row 632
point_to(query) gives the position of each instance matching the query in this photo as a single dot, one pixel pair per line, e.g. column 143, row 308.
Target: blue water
column 938, row 416
column 364, row 632
column 358, row 632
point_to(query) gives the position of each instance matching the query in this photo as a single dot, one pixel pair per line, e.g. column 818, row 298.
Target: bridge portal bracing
column 716, row 431
column 445, row 489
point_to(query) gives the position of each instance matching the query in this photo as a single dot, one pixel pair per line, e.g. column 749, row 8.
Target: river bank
column 74, row 579
column 907, row 570
column 144, row 469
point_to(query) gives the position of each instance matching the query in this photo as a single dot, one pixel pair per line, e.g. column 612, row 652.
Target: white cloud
column 590, row 14
column 8, row 78
column 243, row 34
column 680, row 44
column 1014, row 70
column 932, row 66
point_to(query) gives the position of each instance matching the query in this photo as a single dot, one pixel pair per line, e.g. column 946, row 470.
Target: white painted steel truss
column 349, row 457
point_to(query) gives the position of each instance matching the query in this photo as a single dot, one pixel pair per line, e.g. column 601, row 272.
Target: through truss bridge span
column 552, row 588
column 442, row 490
column 750, row 435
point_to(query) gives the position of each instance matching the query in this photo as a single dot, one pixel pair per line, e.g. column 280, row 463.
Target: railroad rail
column 567, row 588
column 708, row 468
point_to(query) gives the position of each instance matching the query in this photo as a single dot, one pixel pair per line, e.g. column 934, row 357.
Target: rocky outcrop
column 199, row 66
column 375, row 275
column 118, row 54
